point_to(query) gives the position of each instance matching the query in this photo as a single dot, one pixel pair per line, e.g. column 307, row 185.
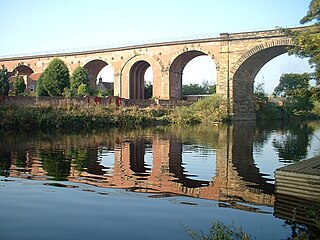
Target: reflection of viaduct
column 238, row 58
column 236, row 177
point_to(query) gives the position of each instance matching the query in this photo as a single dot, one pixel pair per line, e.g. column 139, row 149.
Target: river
column 155, row 183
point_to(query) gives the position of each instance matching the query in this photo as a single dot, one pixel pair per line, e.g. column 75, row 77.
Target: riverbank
column 75, row 117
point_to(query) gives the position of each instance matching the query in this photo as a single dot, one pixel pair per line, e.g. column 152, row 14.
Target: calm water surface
column 148, row 184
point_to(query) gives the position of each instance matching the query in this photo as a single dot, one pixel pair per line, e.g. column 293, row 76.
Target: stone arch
column 132, row 73
column 243, row 72
column 94, row 66
column 179, row 62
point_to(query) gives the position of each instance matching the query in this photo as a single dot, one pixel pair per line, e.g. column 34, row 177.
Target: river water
column 149, row 183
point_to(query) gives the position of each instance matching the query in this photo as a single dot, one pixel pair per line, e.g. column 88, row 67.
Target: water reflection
column 215, row 162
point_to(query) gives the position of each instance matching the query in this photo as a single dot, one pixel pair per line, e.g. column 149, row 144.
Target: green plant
column 56, row 77
column 18, row 85
column 218, row 231
column 4, row 82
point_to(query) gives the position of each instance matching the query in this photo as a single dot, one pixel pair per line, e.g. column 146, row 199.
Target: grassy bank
column 74, row 117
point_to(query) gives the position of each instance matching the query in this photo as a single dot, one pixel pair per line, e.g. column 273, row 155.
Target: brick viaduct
column 238, row 57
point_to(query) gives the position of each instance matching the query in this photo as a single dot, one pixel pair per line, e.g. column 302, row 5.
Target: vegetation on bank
column 73, row 117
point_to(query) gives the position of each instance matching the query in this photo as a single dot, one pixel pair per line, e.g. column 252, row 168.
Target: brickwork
column 238, row 58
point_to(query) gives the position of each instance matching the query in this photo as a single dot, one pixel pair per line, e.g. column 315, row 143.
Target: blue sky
column 46, row 25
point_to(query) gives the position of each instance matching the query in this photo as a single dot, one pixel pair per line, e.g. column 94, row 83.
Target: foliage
column 40, row 90
column 80, row 76
column 18, row 85
column 211, row 109
column 297, row 92
column 4, row 81
column 196, row 89
column 83, row 90
column 308, row 40
column 56, row 77
column 291, row 82
column 219, row 231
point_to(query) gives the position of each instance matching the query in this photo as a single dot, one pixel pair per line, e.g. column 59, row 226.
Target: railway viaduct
column 238, row 57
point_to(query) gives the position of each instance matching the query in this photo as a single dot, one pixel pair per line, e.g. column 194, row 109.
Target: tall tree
column 80, row 76
column 56, row 77
column 4, row 81
column 18, row 85
column 308, row 41
column 40, row 90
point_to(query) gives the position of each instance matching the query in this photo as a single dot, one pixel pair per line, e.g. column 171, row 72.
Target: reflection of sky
column 106, row 158
column 267, row 159
column 200, row 162
column 314, row 145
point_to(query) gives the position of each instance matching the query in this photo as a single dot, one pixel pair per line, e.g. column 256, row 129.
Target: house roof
column 35, row 76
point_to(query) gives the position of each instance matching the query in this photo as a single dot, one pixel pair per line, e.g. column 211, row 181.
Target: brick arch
column 175, row 68
column 287, row 43
column 243, row 72
column 139, row 64
column 23, row 69
column 94, row 66
column 194, row 48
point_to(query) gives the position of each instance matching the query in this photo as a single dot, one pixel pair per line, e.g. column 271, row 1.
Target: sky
column 39, row 26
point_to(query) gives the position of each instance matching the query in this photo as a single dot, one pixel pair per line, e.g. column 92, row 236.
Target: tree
column 56, row 77
column 4, row 81
column 196, row 89
column 308, row 40
column 290, row 82
column 80, row 76
column 18, row 85
column 40, row 90
column 83, row 90
column 297, row 91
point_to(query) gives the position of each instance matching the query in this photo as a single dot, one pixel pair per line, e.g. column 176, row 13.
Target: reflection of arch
column 94, row 67
column 23, row 70
column 132, row 76
column 242, row 157
column 176, row 69
column 245, row 70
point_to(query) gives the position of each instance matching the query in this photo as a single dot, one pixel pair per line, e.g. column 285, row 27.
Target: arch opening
column 269, row 75
column 191, row 67
column 105, row 81
column 138, row 86
column 243, row 81
column 94, row 67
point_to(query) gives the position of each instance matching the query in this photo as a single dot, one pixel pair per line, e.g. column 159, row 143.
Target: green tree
column 80, row 76
column 4, row 81
column 40, row 90
column 290, row 82
column 296, row 89
column 308, row 41
column 18, row 85
column 196, row 89
column 83, row 90
column 56, row 77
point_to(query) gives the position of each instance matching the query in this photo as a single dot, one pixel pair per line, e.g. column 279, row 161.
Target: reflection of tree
column 81, row 158
column 5, row 163
column 21, row 160
column 293, row 144
column 55, row 164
